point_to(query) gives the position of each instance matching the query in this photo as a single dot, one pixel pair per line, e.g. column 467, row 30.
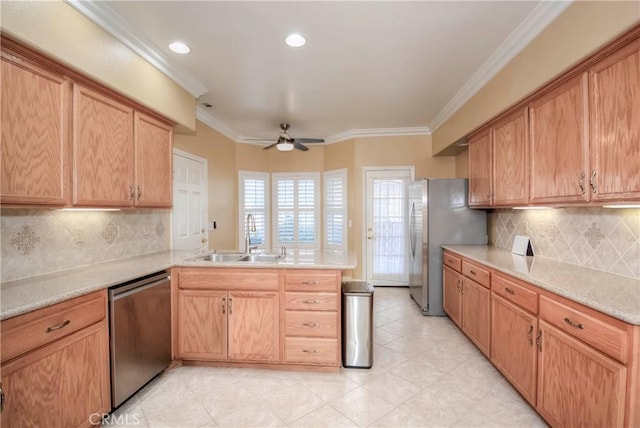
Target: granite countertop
column 28, row 294
column 615, row 295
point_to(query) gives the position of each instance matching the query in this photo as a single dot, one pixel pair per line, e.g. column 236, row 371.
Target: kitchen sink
column 217, row 257
column 260, row 258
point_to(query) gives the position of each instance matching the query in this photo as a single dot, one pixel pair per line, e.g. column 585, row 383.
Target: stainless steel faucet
column 251, row 227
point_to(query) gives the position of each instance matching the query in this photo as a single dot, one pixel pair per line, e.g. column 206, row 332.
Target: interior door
column 189, row 202
column 387, row 230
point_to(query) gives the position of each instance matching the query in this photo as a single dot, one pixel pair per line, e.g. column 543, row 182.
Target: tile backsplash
column 598, row 238
column 36, row 242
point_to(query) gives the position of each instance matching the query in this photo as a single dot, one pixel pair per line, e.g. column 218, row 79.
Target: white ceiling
column 366, row 65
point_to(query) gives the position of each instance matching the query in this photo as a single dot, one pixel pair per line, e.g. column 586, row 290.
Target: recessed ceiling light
column 179, row 47
column 295, row 40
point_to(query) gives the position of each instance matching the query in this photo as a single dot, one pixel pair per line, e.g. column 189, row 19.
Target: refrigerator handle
column 412, row 237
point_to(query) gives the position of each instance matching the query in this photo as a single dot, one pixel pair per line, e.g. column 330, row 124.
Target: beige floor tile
column 292, row 403
column 398, row 418
column 250, row 418
column 186, row 414
column 325, row 416
column 361, row 406
column 419, row 372
column 391, row 388
column 328, row 386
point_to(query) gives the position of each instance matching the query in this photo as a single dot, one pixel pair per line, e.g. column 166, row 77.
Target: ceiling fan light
column 295, row 40
column 284, row 147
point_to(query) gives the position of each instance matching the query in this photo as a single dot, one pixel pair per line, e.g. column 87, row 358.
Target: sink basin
column 260, row 258
column 217, row 257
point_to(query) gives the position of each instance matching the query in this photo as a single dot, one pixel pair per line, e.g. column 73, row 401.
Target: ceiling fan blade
column 266, row 140
column 300, row 146
column 309, row 140
column 271, row 145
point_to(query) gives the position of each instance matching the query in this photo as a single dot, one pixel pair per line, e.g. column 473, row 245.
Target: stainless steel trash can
column 357, row 324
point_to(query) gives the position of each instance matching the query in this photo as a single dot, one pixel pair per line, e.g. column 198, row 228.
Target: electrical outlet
column 78, row 235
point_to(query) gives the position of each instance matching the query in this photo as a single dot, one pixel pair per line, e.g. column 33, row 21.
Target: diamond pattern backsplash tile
column 35, row 242
column 598, row 238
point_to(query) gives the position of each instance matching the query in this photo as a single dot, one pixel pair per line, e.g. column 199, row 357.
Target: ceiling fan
column 285, row 142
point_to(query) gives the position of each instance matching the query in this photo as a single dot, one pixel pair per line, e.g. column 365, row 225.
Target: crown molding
column 106, row 18
column 376, row 132
column 537, row 20
column 208, row 119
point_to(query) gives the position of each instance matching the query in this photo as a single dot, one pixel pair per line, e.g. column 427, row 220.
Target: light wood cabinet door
column 202, row 325
column 60, row 385
column 153, row 173
column 513, row 351
column 254, row 326
column 510, row 171
column 451, row 295
column 577, row 385
column 35, row 107
column 480, row 169
column 615, row 125
column 559, row 138
column 476, row 307
column 102, row 151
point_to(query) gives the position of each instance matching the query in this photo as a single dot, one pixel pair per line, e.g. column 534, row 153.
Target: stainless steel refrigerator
column 438, row 214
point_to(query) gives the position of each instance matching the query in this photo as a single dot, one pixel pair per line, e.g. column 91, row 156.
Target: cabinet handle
column 539, row 340
column 458, row 285
column 1, row 398
column 472, row 272
column 311, row 351
column 592, row 181
column 581, row 182
column 311, row 302
column 230, row 306
column 311, row 324
column 139, row 192
column 510, row 291
column 573, row 324
column 224, row 304
column 530, row 335
column 311, row 282
column 132, row 192
column 450, row 261
column 58, row 326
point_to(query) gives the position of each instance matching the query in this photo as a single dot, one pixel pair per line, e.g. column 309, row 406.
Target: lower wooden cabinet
column 202, row 325
column 452, row 295
column 64, row 382
column 254, row 326
column 513, row 350
column 577, row 385
column 476, row 309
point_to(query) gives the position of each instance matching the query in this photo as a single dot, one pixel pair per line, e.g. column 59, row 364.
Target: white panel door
column 189, row 202
column 386, row 234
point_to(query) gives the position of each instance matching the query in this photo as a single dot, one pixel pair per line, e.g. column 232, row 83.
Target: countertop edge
column 624, row 316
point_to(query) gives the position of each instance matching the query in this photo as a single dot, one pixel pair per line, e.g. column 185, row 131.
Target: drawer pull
column 311, row 351
column 472, row 272
column 530, row 335
column 311, row 282
column 311, row 302
column 311, row 324
column 539, row 340
column 58, row 326
column 573, row 324
column 510, row 291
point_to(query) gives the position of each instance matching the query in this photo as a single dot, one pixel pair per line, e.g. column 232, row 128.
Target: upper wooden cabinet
column 559, row 139
column 153, row 178
column 615, row 125
column 510, row 155
column 35, row 134
column 480, row 171
column 102, row 150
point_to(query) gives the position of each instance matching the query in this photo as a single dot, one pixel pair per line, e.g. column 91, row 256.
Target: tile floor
column 426, row 373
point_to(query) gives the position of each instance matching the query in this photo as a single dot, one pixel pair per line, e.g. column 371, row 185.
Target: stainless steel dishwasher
column 140, row 333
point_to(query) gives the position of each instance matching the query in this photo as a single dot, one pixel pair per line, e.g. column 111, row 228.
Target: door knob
column 369, row 233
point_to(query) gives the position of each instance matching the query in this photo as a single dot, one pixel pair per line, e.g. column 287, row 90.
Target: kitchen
column 97, row 237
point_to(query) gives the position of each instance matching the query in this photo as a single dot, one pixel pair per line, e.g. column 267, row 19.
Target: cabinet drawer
column 29, row 331
column 477, row 273
column 311, row 301
column 515, row 293
column 224, row 278
column 452, row 261
column 311, row 351
column 311, row 324
column 600, row 332
column 312, row 280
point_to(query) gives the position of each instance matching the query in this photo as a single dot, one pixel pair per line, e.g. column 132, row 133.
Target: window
column 295, row 210
column 254, row 199
column 335, row 209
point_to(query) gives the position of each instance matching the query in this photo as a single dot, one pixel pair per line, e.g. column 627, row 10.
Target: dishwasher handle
column 138, row 289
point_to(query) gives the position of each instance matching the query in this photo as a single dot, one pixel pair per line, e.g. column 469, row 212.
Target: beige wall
column 219, row 152
column 462, row 164
column 58, row 30
column 581, row 29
